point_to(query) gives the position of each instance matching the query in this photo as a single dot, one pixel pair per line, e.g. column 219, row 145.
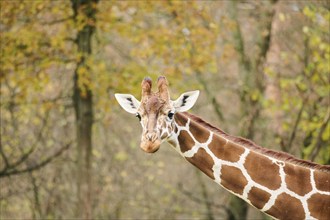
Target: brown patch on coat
column 185, row 141
column 203, row 161
column 229, row 152
column 175, row 129
column 165, row 134
column 166, row 129
column 319, row 206
column 263, row 171
column 322, row 180
column 200, row 134
column 171, row 142
column 294, row 176
column 287, row 207
column 258, row 197
column 233, row 179
column 180, row 119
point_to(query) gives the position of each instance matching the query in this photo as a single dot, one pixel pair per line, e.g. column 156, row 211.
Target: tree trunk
column 83, row 105
column 252, row 73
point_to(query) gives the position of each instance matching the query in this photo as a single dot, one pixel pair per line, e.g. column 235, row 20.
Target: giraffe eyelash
column 138, row 116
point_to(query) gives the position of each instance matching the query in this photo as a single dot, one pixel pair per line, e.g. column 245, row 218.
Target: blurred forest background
column 68, row 150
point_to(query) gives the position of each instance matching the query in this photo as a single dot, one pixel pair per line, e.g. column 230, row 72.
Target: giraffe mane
column 251, row 145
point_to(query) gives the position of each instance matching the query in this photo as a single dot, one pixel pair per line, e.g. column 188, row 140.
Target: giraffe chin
column 150, row 147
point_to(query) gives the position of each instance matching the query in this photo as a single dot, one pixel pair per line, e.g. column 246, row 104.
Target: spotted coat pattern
column 279, row 188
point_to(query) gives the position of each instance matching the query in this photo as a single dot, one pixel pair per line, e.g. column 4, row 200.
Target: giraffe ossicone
column 274, row 182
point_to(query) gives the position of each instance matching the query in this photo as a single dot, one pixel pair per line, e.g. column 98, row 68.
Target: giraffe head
column 156, row 111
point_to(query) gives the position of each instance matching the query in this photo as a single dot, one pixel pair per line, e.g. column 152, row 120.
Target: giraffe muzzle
column 150, row 143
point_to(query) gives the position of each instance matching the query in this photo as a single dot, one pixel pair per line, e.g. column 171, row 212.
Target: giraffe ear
column 186, row 101
column 128, row 102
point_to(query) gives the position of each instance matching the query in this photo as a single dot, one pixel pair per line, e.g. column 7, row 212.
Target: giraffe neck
column 277, row 187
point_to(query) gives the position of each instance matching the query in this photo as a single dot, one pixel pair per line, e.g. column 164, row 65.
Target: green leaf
column 121, row 156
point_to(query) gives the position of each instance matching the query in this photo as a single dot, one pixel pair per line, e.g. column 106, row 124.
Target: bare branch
column 4, row 157
column 215, row 104
column 318, row 143
column 57, row 21
column 199, row 200
column 295, row 127
column 36, row 166
column 25, row 155
column 238, row 38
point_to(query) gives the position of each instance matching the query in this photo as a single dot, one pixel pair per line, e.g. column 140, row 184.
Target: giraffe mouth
column 150, row 146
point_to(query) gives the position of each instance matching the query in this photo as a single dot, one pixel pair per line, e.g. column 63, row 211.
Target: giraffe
column 274, row 182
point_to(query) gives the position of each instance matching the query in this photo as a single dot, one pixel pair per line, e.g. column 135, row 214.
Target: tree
column 305, row 131
column 84, row 17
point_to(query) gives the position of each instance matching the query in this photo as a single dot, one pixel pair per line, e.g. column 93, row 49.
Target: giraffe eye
column 138, row 116
column 170, row 115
